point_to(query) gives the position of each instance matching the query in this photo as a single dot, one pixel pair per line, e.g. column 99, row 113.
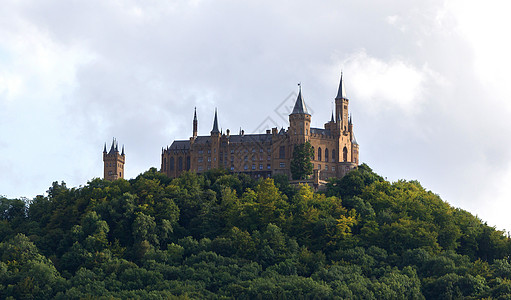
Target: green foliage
column 221, row 235
column 301, row 165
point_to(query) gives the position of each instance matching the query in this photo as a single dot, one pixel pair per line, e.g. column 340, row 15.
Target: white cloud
column 381, row 83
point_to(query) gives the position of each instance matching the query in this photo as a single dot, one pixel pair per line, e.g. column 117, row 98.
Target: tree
column 301, row 166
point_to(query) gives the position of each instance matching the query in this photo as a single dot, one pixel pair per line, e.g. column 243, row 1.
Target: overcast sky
column 428, row 83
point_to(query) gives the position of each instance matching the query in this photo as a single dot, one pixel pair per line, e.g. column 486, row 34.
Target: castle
column 336, row 151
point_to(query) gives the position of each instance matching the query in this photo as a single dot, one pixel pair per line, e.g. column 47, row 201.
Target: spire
column 332, row 119
column 341, row 93
column 215, row 124
column 112, row 149
column 104, row 149
column 300, row 107
column 122, row 150
column 350, row 122
column 194, row 130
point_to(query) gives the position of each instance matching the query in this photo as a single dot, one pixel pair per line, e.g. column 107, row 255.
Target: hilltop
column 218, row 235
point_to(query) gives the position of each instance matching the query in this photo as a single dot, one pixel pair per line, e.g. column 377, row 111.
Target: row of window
column 238, row 150
column 334, row 154
column 113, row 165
column 326, row 167
column 180, row 165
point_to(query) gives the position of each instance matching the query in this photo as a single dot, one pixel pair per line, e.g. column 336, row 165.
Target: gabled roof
column 180, row 145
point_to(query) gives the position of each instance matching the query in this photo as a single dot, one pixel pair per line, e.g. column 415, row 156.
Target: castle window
column 164, row 164
column 306, row 131
column 326, row 154
column 268, row 166
column 260, row 157
column 180, row 163
column 171, row 163
column 209, row 151
column 232, row 157
column 120, row 174
column 282, row 165
column 319, row 167
column 245, row 167
column 200, row 151
column 232, row 168
column 260, row 166
column 232, row 151
column 200, row 169
column 326, row 167
column 333, row 168
column 268, row 149
column 269, row 157
column 260, row 150
column 253, row 150
column 253, row 158
column 209, row 158
column 253, row 166
column 334, row 157
column 319, row 153
column 200, row 159
column 345, row 154
column 282, row 152
column 313, row 154
column 188, row 163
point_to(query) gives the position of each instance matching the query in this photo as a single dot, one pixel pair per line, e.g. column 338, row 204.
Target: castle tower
column 299, row 121
column 341, row 107
column 215, row 143
column 113, row 162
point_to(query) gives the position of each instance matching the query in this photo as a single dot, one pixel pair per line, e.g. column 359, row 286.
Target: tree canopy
column 301, row 165
column 221, row 235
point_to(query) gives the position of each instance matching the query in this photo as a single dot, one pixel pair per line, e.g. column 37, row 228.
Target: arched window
column 313, row 154
column 171, row 167
column 345, row 154
column 326, row 154
column 180, row 163
column 319, row 153
column 164, row 164
column 188, row 163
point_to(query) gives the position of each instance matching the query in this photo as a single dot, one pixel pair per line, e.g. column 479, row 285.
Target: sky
column 427, row 83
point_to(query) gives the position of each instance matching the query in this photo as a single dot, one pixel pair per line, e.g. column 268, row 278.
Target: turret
column 299, row 120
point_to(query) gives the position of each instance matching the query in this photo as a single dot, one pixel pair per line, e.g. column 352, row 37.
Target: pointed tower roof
column 332, row 119
column 341, row 93
column 215, row 124
column 104, row 149
column 300, row 107
column 112, row 149
column 354, row 140
column 195, row 114
column 122, row 150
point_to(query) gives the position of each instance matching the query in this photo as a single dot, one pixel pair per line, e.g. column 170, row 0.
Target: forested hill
column 228, row 236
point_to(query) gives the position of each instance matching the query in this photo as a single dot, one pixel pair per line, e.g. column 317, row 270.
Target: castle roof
column 321, row 131
column 300, row 107
column 180, row 145
column 341, row 93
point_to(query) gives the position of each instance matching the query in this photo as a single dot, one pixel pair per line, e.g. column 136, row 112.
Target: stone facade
column 336, row 151
column 113, row 162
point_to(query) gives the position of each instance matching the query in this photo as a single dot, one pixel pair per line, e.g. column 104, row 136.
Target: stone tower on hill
column 265, row 154
column 114, row 162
